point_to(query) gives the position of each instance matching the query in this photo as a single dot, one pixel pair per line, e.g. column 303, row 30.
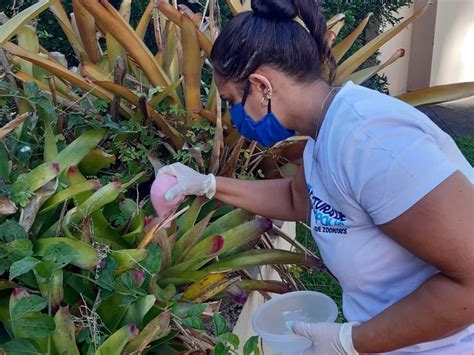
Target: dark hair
column 269, row 35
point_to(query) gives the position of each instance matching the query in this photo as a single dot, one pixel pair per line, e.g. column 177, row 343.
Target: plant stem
column 133, row 180
column 87, row 278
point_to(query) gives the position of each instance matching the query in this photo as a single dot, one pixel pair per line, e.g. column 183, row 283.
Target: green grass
column 321, row 282
column 316, row 280
column 466, row 144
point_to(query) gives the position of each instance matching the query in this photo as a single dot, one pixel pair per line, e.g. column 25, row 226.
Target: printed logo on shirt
column 328, row 219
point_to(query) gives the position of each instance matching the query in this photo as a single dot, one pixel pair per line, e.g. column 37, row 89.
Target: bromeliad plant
column 172, row 86
column 83, row 269
column 89, row 273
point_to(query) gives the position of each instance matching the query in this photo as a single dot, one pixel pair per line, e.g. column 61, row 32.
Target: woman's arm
column 438, row 229
column 283, row 199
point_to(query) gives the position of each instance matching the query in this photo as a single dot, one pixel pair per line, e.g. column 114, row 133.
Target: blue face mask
column 266, row 131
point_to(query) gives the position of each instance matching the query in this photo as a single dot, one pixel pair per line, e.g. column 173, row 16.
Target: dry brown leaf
column 10, row 126
column 7, row 207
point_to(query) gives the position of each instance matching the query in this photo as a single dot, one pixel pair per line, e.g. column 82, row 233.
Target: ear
column 261, row 83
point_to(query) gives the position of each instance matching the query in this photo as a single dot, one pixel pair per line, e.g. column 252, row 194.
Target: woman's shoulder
column 363, row 118
column 360, row 104
column 374, row 140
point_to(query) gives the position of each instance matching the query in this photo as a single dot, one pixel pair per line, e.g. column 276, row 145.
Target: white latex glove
column 327, row 338
column 190, row 182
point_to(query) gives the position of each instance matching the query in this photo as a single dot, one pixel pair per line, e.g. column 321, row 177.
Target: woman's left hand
column 327, row 338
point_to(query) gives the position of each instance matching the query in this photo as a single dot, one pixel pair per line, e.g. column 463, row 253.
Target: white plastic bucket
column 306, row 306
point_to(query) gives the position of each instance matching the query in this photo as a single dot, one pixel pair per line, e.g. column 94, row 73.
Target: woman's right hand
column 190, row 182
column 283, row 199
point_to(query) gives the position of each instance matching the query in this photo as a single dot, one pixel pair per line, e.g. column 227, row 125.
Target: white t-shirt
column 374, row 158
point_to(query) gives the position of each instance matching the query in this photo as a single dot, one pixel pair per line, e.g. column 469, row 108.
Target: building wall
column 421, row 50
column 453, row 49
column 397, row 73
column 439, row 47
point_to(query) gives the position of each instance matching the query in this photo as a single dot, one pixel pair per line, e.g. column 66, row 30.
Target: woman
column 390, row 203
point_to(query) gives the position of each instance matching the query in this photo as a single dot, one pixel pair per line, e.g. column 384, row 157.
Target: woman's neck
column 310, row 105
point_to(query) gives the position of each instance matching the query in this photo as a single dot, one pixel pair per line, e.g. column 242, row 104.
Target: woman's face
column 256, row 105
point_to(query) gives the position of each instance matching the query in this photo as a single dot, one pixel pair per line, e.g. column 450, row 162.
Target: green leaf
column 44, row 107
column 36, row 325
column 71, row 155
column 19, row 347
column 56, row 256
column 20, row 248
column 230, row 338
column 251, row 345
column 61, row 253
column 10, row 230
column 138, row 309
column 220, row 324
column 75, row 119
column 4, row 160
column 22, row 266
column 14, row 251
column 5, row 261
column 186, row 221
column 28, row 280
column 7, row 87
column 181, row 309
column 63, row 337
column 115, row 343
column 126, row 282
column 28, row 305
column 156, row 89
column 8, row 30
column 167, row 293
column 106, row 274
column 80, row 286
column 31, row 90
column 152, row 262
column 197, row 310
column 45, row 269
column 221, row 349
column 193, row 322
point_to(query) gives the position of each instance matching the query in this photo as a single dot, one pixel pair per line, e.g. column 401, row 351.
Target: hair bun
column 275, row 9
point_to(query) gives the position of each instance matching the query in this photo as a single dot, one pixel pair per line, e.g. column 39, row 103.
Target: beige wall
column 421, row 49
column 453, row 50
column 397, row 73
column 439, row 47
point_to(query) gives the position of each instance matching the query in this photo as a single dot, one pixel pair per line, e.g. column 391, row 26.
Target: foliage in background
column 355, row 11
column 384, row 13
column 47, row 26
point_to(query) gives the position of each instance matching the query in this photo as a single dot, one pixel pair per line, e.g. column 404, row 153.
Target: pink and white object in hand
column 164, row 182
